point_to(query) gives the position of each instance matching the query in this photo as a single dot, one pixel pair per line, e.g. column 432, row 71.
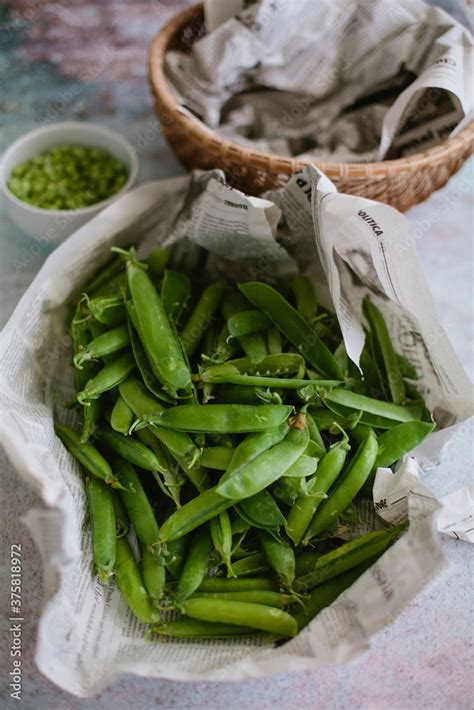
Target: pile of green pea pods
column 225, row 425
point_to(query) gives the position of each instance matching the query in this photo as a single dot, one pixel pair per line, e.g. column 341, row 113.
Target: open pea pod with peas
column 239, row 437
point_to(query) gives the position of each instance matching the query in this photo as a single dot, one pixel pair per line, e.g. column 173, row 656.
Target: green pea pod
column 281, row 558
column 107, row 378
column 314, row 434
column 108, row 343
column 227, row 374
column 255, row 596
column 326, row 593
column 142, row 403
column 220, row 418
column 258, row 616
column 389, row 356
column 160, row 342
column 80, row 338
column 129, row 449
column 175, row 294
column 261, row 511
column 194, row 629
column 122, row 416
column 345, row 491
column 360, row 402
column 216, row 457
column 274, row 344
column 250, row 565
column 293, row 326
column 176, row 552
column 154, row 574
column 202, row 317
column 272, row 366
column 221, row 533
column 266, row 468
column 108, row 310
column 305, row 297
column 130, row 582
column 225, row 347
column 122, row 526
column 345, row 557
column 194, row 513
column 305, row 506
column 158, row 260
column 253, row 445
column 247, row 322
column 137, row 505
column 87, row 455
column 102, row 515
column 168, row 477
column 150, row 381
column 224, row 584
column 195, row 566
column 253, row 345
column 302, row 468
column 400, row 440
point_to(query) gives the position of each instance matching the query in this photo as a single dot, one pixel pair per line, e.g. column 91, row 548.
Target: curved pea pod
column 252, row 564
column 142, row 403
column 306, row 303
column 150, row 381
column 194, row 513
column 176, row 552
column 352, row 481
column 158, row 338
column 175, row 294
column 130, row 582
column 281, row 558
column 102, row 516
column 389, row 357
column 258, row 616
column 293, row 326
column 157, row 260
column 253, row 445
column 266, row 468
column 154, row 574
column 261, row 511
column 305, row 506
column 221, row 533
column 202, row 317
column 107, row 378
column 129, row 449
column 107, row 343
column 324, row 595
column 217, row 457
column 247, row 322
column 253, row 345
column 345, row 557
column 255, row 596
column 228, row 374
column 400, row 440
column 87, row 455
column 122, row 416
column 195, row 565
column 194, row 629
column 386, row 410
column 137, row 505
column 224, row 584
column 220, row 418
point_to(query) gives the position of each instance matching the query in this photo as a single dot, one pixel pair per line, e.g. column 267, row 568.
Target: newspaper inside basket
column 349, row 246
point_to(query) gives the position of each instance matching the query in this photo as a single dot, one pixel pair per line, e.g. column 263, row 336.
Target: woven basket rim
column 170, row 113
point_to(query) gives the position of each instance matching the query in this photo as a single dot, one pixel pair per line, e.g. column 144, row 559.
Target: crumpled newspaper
column 330, row 79
column 349, row 247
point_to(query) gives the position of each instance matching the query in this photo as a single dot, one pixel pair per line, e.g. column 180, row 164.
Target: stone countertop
column 87, row 61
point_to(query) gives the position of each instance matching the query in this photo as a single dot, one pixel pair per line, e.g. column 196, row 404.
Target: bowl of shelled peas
column 226, row 441
column 56, row 178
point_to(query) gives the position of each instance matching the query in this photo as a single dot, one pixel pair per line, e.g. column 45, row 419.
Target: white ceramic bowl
column 53, row 226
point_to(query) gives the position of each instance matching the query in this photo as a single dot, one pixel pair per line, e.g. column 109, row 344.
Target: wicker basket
column 401, row 183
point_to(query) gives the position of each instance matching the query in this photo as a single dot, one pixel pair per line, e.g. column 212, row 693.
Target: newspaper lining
column 329, row 80
column 86, row 633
